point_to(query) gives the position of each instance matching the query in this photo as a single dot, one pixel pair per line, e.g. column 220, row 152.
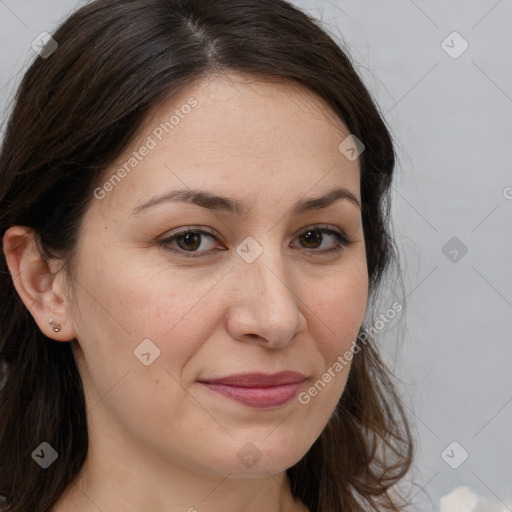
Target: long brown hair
column 74, row 113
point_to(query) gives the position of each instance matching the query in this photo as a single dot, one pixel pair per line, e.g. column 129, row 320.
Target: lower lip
column 260, row 398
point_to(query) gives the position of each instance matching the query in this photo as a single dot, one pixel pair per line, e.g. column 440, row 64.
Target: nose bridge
column 273, row 281
column 271, row 307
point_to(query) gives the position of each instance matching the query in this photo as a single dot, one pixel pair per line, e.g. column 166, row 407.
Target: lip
column 258, row 390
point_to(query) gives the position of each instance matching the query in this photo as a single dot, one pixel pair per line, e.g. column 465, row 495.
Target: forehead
column 234, row 132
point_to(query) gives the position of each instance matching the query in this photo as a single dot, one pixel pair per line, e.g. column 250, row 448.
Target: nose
column 264, row 308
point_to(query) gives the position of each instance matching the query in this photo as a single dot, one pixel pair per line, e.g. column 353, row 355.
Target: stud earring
column 56, row 327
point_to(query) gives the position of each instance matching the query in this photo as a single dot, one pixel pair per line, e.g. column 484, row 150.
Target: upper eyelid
column 202, row 230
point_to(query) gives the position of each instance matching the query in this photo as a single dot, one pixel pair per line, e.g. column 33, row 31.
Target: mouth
column 258, row 390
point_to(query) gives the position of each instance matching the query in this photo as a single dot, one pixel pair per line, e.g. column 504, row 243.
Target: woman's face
column 261, row 285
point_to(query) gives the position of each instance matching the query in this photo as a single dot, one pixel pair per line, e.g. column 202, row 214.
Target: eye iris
column 190, row 238
column 311, row 236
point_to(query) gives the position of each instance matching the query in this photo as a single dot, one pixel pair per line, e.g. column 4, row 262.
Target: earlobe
column 36, row 284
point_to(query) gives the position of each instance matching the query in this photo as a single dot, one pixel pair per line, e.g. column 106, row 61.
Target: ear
column 39, row 283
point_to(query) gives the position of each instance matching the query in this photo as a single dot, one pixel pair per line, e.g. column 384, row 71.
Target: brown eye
column 310, row 238
column 314, row 238
column 190, row 241
column 195, row 242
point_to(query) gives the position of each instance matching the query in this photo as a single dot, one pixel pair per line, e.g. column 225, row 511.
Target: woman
column 194, row 201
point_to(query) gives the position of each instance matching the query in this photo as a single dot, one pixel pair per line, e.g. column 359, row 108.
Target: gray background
column 452, row 121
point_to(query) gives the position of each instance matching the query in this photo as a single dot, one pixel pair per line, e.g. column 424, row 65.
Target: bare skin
column 160, row 440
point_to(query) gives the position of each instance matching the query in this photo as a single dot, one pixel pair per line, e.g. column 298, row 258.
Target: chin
column 251, row 462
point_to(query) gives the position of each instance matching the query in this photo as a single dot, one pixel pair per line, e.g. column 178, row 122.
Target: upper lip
column 258, row 380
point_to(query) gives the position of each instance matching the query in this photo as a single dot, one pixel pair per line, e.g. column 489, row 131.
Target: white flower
column 463, row 499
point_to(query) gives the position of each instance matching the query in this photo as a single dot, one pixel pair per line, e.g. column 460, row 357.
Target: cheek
column 122, row 303
column 339, row 306
column 337, row 312
column 120, row 308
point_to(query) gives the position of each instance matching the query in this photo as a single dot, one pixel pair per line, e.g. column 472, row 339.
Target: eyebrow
column 233, row 206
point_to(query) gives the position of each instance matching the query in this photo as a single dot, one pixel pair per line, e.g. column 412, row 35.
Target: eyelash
column 342, row 241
